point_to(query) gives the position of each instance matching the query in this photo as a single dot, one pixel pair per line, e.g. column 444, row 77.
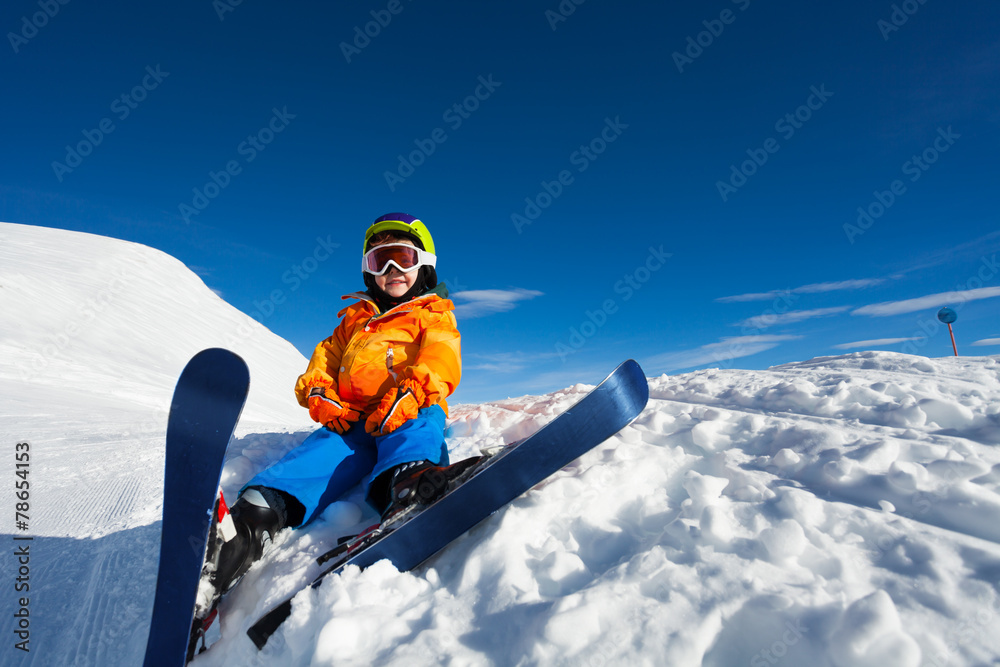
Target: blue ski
column 206, row 406
column 611, row 406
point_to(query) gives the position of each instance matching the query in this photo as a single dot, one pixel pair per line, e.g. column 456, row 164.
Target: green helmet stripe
column 417, row 228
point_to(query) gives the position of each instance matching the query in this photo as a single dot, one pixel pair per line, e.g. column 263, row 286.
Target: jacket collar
column 437, row 294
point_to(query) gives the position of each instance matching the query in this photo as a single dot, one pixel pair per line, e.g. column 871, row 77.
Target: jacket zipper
column 388, row 364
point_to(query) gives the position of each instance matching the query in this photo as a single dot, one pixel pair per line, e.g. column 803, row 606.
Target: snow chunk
column 870, row 634
column 342, row 514
column 703, row 490
column 785, row 458
column 573, row 626
column 561, row 573
column 946, row 414
column 785, row 541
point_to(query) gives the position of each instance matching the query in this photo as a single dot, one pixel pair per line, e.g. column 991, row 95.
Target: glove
column 398, row 406
column 326, row 408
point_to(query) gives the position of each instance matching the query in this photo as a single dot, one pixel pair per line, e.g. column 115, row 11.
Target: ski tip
column 216, row 362
column 631, row 363
column 214, row 353
column 631, row 370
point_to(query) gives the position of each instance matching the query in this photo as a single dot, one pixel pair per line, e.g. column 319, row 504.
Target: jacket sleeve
column 324, row 366
column 438, row 366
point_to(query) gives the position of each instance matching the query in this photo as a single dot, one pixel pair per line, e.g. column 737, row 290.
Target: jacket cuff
column 414, row 388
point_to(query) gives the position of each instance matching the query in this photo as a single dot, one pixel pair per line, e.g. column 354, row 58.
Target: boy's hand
column 397, row 407
column 325, row 407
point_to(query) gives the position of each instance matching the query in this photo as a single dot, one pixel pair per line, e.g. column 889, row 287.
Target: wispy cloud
column 480, row 303
column 814, row 288
column 878, row 342
column 960, row 254
column 506, row 362
column 519, row 373
column 777, row 319
column 726, row 349
column 987, row 341
column 889, row 308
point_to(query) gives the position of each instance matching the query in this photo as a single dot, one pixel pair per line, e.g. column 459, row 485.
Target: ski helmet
column 404, row 223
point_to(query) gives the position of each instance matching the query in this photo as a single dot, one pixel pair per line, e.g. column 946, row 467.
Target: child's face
column 394, row 282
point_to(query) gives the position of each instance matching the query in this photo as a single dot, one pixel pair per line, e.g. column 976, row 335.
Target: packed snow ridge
column 840, row 511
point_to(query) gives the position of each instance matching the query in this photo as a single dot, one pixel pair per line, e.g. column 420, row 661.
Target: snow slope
column 93, row 335
column 85, row 311
column 841, row 511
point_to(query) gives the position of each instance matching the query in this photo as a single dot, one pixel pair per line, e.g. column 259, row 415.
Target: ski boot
column 239, row 537
column 257, row 517
column 420, row 483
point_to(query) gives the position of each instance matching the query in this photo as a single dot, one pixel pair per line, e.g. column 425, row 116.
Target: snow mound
column 835, row 512
column 119, row 320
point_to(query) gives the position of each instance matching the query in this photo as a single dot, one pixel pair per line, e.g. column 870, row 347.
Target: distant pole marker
column 947, row 315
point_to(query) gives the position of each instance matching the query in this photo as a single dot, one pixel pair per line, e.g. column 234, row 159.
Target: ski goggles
column 403, row 256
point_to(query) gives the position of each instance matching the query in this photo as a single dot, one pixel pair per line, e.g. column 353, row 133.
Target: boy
column 378, row 386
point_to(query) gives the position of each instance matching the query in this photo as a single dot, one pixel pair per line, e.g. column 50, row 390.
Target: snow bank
column 837, row 512
column 118, row 321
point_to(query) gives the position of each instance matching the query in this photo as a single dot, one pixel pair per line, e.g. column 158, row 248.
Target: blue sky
column 728, row 183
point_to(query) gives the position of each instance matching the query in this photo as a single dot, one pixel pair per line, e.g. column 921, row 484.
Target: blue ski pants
column 327, row 465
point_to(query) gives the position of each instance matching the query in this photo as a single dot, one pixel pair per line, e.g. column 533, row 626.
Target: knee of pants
column 419, row 439
column 324, row 465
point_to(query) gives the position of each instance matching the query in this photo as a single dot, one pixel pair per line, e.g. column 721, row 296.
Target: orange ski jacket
column 371, row 352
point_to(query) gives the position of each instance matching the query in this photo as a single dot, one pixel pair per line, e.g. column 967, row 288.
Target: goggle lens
column 405, row 257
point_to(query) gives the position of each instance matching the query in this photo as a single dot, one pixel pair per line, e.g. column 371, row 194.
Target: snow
column 838, row 511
